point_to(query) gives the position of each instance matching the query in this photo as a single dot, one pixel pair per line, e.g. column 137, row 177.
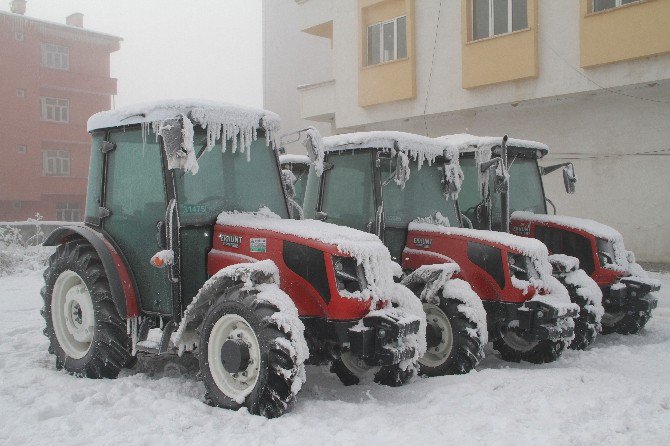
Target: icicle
column 482, row 155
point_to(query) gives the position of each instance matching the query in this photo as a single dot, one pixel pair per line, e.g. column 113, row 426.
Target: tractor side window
column 489, row 259
column 348, row 197
column 228, row 182
column 95, row 170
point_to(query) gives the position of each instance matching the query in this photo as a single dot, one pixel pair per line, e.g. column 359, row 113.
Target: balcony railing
column 317, row 101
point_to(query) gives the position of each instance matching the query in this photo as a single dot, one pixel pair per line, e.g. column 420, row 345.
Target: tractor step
column 157, row 341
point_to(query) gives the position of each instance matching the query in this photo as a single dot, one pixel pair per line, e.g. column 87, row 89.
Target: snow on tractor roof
column 583, row 224
column 220, row 120
column 291, row 158
column 526, row 246
column 366, row 248
column 464, row 142
column 417, row 146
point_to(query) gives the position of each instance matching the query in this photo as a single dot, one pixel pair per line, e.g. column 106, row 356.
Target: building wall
column 599, row 116
column 24, row 188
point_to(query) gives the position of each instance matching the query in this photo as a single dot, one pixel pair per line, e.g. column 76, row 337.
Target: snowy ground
column 618, row 392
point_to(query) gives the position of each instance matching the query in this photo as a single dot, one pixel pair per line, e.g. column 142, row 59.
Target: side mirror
column 321, row 216
column 569, row 178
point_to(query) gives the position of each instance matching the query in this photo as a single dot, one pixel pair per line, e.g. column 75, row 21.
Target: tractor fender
column 121, row 282
column 245, row 274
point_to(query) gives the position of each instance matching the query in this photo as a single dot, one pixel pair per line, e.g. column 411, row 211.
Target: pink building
column 52, row 78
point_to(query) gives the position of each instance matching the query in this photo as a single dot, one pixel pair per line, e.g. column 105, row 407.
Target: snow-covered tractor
column 474, row 284
column 187, row 247
column 521, row 208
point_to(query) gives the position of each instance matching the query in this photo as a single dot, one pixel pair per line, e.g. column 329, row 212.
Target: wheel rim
column 72, row 314
column 515, row 341
column 438, row 321
column 610, row 319
column 235, row 386
column 356, row 365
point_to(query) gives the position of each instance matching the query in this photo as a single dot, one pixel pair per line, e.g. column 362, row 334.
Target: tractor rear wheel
column 512, row 347
column 86, row 332
column 246, row 358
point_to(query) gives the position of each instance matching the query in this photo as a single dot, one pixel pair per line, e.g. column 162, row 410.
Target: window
column 19, row 36
column 56, row 163
column 22, row 149
column 387, row 41
column 17, row 204
column 20, row 93
column 55, row 110
column 602, row 5
column 496, row 17
column 68, row 211
column 55, row 56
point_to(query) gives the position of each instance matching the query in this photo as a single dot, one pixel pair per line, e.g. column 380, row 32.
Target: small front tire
column 513, row 348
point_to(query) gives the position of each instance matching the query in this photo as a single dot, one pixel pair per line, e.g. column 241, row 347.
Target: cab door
column 135, row 196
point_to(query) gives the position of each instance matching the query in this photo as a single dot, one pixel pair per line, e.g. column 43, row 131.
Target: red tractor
column 175, row 257
column 597, row 249
column 404, row 188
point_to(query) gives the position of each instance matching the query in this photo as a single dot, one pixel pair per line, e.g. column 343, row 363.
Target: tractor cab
column 599, row 248
column 405, row 188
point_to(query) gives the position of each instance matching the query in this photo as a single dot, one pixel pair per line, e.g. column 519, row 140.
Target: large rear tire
column 85, row 331
column 246, row 359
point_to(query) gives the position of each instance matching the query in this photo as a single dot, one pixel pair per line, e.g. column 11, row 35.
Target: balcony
column 316, row 17
column 317, row 101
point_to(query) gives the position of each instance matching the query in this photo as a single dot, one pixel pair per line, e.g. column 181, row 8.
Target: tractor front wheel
column 351, row 371
column 514, row 348
column 245, row 357
column 626, row 321
column 85, row 330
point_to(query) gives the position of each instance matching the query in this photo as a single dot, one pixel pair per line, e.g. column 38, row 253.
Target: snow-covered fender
column 246, row 274
column 121, row 282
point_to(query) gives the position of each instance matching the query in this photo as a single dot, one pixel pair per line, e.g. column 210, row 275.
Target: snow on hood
column 592, row 227
column 221, row 120
column 366, row 248
column 526, row 246
column 291, row 158
column 464, row 142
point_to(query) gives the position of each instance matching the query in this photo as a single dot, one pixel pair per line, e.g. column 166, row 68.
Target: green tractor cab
column 187, row 247
column 627, row 299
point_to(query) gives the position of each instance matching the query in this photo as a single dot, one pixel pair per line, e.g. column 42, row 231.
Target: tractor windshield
column 228, row 182
column 525, row 188
column 422, row 196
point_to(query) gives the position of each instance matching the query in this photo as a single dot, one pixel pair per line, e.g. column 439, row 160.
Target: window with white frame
column 494, row 17
column 68, row 211
column 55, row 56
column 387, row 41
column 21, row 93
column 55, row 110
column 56, row 163
column 602, row 5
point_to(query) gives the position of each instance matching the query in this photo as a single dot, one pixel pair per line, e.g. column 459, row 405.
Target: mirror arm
column 549, row 169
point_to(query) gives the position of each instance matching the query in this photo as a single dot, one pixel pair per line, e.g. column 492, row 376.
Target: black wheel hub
column 235, row 355
column 433, row 335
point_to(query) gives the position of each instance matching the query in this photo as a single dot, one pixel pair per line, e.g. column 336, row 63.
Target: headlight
column 348, row 274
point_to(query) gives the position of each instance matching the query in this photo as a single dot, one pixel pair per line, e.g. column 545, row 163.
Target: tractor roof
column 291, row 158
column 201, row 112
column 463, row 142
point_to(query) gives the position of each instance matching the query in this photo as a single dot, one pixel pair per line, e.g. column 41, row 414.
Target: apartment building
column 53, row 76
column 590, row 78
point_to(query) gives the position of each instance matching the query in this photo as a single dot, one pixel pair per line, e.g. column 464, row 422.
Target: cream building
column 590, row 78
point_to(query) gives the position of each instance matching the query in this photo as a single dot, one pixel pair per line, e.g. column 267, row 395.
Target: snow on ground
column 618, row 392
